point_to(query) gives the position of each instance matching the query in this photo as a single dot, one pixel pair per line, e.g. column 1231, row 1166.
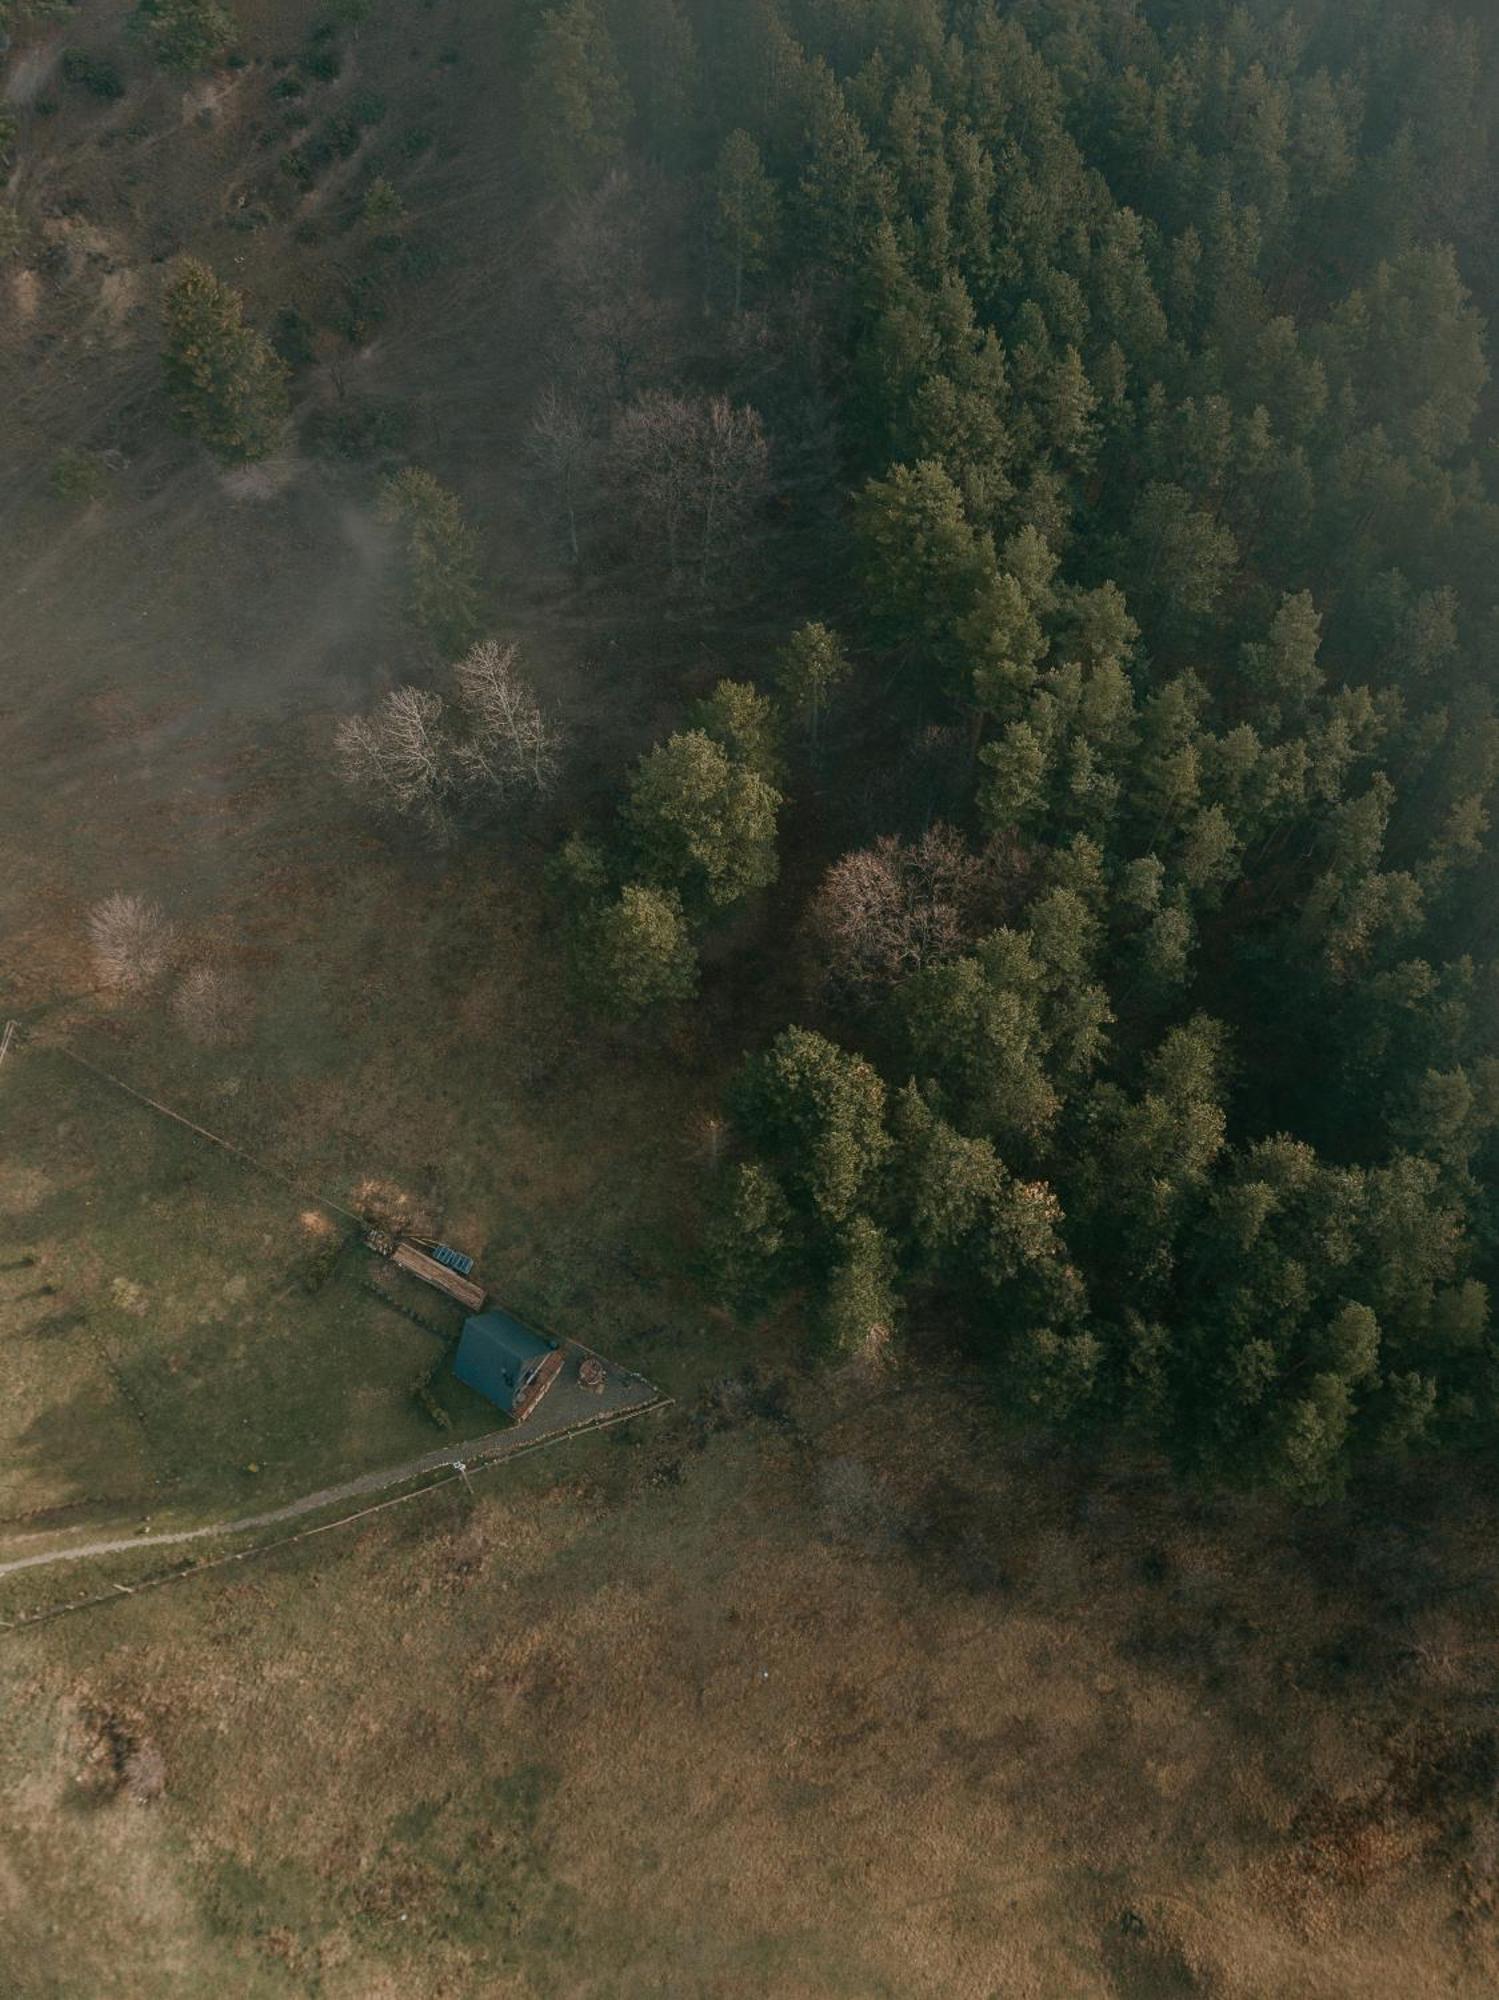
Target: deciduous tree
column 702, row 823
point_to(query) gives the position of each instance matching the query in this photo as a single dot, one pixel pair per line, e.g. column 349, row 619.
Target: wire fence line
column 487, row 1454
column 256, row 1164
column 214, row 1138
column 461, row 1469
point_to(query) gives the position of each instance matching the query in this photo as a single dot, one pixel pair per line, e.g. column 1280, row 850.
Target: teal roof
column 498, row 1355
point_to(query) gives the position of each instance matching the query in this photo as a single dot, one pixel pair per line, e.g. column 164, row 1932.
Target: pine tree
column 577, row 105
column 442, row 564
column 810, row 670
column 747, row 210
column 743, row 722
column 817, row 1113
column 227, row 387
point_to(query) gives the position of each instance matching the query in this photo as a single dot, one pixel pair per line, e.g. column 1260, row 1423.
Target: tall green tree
column 701, row 823
column 226, row 385
column 746, row 213
column 810, row 670
column 577, row 103
column 818, row 1114
column 442, row 559
column 634, row 952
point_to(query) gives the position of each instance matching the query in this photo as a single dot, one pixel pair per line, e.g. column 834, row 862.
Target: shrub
column 78, row 477
column 95, row 74
column 208, row 1005
column 132, row 942
column 183, row 35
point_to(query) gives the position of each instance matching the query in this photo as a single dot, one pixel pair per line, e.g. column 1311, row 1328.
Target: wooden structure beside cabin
column 420, row 1265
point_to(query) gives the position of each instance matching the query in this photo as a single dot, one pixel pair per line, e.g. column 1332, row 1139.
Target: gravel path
column 567, row 1408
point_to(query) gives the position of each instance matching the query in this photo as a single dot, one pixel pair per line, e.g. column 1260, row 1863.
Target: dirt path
column 490, row 1449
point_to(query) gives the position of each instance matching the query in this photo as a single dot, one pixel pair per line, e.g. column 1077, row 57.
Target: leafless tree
column 563, row 448
column 421, row 761
column 402, row 757
column 614, row 329
column 890, row 909
column 132, row 942
column 510, row 745
column 208, row 1005
column 694, row 469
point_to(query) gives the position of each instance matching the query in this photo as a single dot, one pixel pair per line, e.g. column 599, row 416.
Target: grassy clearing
column 182, row 1332
column 756, row 1704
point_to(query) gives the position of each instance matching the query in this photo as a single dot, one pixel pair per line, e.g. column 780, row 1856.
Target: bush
column 132, row 942
column 95, row 74
column 78, row 477
column 359, row 430
column 366, row 108
column 209, row 1006
column 183, row 35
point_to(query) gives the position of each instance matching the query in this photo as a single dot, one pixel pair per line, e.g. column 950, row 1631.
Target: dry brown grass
column 657, row 1722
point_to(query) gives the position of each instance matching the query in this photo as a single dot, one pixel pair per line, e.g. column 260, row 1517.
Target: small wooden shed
column 502, row 1358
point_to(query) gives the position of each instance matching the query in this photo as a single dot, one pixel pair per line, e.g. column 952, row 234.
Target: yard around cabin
column 822, row 1683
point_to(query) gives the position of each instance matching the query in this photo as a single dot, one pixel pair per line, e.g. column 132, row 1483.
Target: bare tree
column 614, row 328
column 694, row 469
column 414, row 759
column 510, row 746
column 132, row 942
column 563, row 449
column 890, row 909
column 402, row 757
column 208, row 1005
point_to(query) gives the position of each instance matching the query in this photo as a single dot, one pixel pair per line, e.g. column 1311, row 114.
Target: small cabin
column 503, row 1359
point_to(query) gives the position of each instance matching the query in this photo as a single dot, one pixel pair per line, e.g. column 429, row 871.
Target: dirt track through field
column 494, row 1447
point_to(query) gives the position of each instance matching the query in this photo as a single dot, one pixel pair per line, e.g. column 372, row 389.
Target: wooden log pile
column 420, row 1265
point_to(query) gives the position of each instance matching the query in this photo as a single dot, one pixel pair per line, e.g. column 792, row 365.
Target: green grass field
column 173, row 1319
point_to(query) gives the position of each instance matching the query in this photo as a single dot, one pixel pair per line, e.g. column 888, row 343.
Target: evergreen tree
column 227, row 387
column 817, row 1113
column 743, row 722
column 442, row 564
column 577, row 104
column 812, row 667
column 747, row 211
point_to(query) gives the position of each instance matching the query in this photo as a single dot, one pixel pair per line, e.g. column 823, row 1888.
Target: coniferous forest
column 1107, row 385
